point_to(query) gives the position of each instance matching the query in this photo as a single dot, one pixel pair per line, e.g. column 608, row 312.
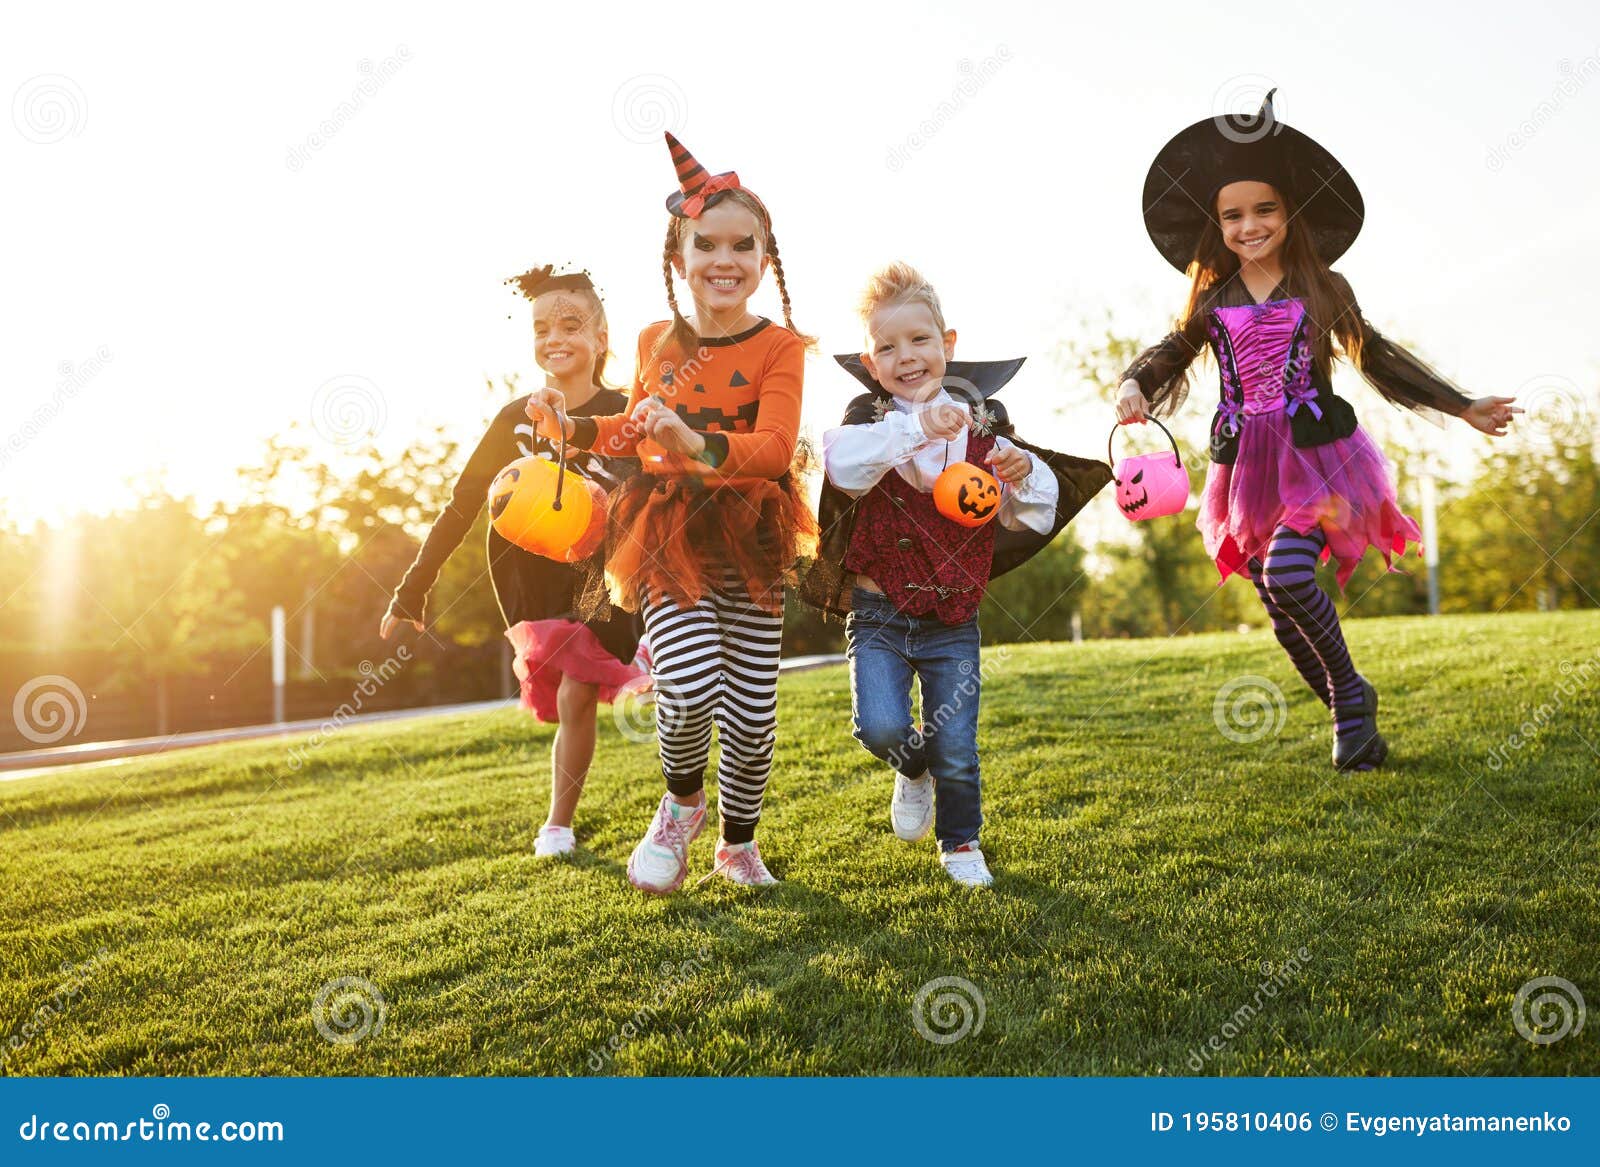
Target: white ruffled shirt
column 857, row 456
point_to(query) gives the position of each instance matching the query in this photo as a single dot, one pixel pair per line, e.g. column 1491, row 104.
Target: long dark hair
column 1329, row 302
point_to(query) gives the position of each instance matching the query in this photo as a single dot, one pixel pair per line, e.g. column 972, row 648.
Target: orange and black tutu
column 673, row 536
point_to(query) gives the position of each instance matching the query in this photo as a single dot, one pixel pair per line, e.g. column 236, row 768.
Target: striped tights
column 716, row 663
column 1307, row 624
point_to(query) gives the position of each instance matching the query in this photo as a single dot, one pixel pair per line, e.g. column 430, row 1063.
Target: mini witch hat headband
column 696, row 189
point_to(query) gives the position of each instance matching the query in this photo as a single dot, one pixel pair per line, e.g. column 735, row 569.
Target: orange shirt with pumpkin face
column 744, row 387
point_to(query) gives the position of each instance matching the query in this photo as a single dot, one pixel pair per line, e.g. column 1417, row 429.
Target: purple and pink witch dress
column 1285, row 450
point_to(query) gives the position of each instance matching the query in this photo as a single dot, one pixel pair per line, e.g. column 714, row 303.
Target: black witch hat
column 1180, row 192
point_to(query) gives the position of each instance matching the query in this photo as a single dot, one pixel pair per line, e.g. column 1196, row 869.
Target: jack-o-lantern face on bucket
column 524, row 510
column 1131, row 496
column 966, row 494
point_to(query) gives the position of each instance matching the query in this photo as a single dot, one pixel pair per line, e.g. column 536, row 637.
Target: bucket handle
column 561, row 466
column 1177, row 459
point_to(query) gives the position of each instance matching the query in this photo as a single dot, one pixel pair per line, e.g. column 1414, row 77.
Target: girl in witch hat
column 705, row 539
column 1255, row 211
column 565, row 665
column 909, row 577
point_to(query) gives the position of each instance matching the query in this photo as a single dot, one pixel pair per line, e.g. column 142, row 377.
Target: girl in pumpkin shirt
column 704, row 540
column 918, row 573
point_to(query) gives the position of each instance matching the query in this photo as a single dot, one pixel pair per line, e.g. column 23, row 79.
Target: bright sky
column 193, row 264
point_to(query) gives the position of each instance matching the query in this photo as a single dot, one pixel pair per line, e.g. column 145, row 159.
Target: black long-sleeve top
column 526, row 586
column 1162, row 372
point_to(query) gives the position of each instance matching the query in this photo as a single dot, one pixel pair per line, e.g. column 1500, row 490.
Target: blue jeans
column 886, row 649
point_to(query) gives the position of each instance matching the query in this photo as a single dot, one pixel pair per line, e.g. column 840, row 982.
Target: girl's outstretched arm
column 495, row 450
column 1396, row 373
column 1161, row 372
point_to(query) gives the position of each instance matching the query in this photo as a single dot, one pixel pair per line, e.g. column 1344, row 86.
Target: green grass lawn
column 1152, row 877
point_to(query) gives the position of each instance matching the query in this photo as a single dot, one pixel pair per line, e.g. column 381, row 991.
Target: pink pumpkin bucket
column 1150, row 486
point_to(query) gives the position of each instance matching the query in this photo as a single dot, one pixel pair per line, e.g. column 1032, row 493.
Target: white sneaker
column 911, row 808
column 554, row 841
column 966, row 866
column 741, row 863
column 660, row 862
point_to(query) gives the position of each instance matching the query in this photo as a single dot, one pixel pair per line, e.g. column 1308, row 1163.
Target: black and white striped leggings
column 717, row 663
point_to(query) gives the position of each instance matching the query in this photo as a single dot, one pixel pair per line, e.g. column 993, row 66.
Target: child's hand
column 943, row 421
column 1131, row 404
column 1491, row 415
column 1011, row 465
column 663, row 426
column 390, row 621
column 547, row 411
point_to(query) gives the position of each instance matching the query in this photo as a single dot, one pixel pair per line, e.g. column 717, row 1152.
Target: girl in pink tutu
column 1255, row 211
column 566, row 666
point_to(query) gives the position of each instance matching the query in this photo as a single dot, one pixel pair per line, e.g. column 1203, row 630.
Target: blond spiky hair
column 899, row 283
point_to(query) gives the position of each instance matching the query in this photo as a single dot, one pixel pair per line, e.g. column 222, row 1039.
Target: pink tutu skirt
column 1344, row 487
column 547, row 650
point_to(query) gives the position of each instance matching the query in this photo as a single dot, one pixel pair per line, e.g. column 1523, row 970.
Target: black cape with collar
column 826, row 585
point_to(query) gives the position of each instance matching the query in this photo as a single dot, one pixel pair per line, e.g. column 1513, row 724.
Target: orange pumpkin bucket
column 543, row 507
column 966, row 494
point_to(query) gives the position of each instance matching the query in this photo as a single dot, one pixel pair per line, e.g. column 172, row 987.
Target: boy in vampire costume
column 913, row 530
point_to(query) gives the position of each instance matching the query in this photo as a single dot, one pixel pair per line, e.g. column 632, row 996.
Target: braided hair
column 682, row 334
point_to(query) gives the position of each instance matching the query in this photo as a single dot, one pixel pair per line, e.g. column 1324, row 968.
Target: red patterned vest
column 926, row 564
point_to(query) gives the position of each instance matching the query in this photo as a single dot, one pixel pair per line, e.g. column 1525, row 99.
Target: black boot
column 1365, row 749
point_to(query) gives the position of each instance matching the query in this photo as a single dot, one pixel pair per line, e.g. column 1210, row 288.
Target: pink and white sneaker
column 741, row 864
column 554, row 842
column 660, row 863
